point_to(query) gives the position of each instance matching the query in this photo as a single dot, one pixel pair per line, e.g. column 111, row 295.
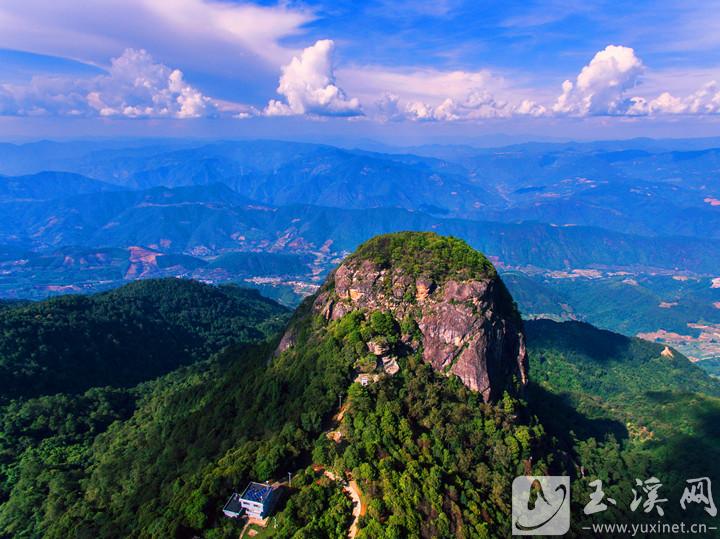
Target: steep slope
column 468, row 325
column 624, row 409
column 614, row 376
column 431, row 456
column 197, row 434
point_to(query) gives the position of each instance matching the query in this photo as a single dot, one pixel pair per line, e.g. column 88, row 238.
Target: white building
column 256, row 501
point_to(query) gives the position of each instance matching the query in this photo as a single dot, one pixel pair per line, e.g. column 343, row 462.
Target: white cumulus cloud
column 431, row 95
column 388, row 108
column 135, row 86
column 528, row 107
column 704, row 101
column 308, row 85
column 601, row 85
column 604, row 87
column 478, row 104
column 44, row 96
column 609, row 85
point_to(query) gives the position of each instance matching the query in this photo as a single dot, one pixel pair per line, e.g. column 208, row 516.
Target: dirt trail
column 349, row 487
column 337, row 418
column 352, row 489
column 358, row 508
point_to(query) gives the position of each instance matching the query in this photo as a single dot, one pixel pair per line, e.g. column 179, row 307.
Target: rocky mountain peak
column 447, row 301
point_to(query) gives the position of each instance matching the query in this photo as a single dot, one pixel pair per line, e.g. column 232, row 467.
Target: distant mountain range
column 645, row 191
column 571, row 222
column 48, row 186
column 212, row 219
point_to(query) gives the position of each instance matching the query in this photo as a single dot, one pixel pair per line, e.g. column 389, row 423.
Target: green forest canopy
column 158, row 459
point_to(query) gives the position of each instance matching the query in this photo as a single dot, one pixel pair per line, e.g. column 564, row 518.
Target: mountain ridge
column 124, row 336
column 220, row 219
column 431, row 457
column 432, row 294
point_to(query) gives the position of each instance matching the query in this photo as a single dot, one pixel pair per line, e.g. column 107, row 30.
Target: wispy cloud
column 191, row 32
column 430, row 8
column 213, row 57
column 690, row 27
column 535, row 14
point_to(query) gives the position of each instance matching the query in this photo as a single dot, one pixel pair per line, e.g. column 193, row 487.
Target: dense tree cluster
column 196, row 434
column 624, row 411
column 432, row 458
column 316, row 509
column 160, row 458
column 122, row 337
column 426, row 254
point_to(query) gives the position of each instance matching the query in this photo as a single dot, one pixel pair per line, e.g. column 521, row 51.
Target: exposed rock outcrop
column 467, row 321
column 378, row 348
column 462, row 329
column 390, row 365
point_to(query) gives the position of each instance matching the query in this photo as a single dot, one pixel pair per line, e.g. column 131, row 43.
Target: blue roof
column 257, row 492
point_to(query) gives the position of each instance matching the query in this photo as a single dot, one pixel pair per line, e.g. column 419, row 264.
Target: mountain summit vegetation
column 363, row 385
column 425, row 254
column 438, row 298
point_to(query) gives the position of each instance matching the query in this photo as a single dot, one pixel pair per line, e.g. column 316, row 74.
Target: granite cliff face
column 466, row 322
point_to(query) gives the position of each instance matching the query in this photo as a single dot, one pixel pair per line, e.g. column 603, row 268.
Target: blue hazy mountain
column 49, row 185
column 214, row 219
column 608, row 232
column 633, row 186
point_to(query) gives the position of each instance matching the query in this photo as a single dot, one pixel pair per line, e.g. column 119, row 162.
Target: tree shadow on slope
column 561, row 418
column 577, row 338
column 690, row 423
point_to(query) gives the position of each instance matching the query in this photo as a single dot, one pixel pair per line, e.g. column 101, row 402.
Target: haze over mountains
column 634, row 224
column 337, row 270
column 643, row 191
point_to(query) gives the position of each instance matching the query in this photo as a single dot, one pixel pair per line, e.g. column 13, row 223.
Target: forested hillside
column 625, row 409
column 54, row 353
column 119, row 338
column 430, row 456
column 194, row 436
column 418, row 443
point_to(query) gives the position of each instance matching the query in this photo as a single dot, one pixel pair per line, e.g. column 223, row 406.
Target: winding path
column 352, row 489
column 358, row 509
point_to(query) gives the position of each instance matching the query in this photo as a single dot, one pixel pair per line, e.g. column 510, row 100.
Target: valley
column 399, row 269
column 584, row 246
column 478, row 396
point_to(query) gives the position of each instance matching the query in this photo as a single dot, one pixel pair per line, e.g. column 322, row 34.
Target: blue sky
column 395, row 71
